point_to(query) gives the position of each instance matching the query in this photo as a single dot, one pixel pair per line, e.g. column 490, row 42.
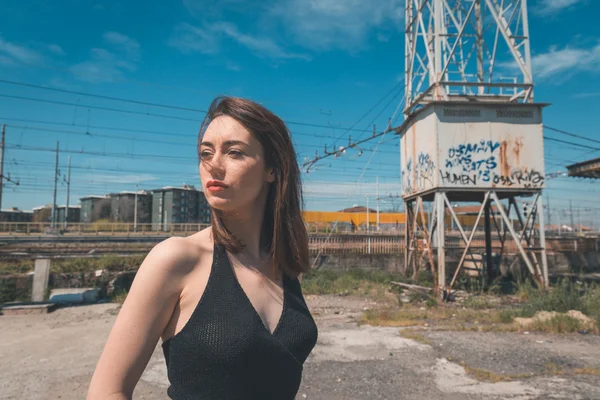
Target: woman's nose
column 216, row 166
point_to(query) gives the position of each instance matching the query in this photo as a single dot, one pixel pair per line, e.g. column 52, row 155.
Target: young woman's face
column 232, row 166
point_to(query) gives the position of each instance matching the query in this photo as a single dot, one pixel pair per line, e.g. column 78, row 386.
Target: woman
column 227, row 300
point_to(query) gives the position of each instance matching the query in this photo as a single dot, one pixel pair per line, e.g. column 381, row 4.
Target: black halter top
column 226, row 352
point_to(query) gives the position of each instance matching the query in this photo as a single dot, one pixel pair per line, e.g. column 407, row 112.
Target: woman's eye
column 236, row 153
column 205, row 154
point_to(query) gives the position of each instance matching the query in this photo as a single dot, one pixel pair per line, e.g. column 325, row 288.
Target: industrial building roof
column 586, row 169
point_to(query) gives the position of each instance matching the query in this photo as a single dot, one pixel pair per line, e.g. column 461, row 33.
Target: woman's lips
column 215, row 186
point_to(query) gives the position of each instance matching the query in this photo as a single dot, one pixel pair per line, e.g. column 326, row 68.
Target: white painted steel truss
column 467, row 49
column 424, row 237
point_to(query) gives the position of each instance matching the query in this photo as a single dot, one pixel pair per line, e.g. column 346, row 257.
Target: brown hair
column 283, row 232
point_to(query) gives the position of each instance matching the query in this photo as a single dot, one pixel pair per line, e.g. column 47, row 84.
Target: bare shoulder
column 180, row 255
column 145, row 313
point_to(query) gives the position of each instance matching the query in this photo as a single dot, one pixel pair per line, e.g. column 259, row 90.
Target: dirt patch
column 53, row 356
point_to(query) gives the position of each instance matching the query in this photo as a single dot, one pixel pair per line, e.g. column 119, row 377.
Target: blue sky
column 319, row 65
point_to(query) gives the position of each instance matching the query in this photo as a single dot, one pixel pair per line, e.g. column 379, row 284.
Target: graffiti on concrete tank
column 419, row 176
column 528, row 179
column 406, row 177
column 476, row 163
column 424, row 169
column 472, row 160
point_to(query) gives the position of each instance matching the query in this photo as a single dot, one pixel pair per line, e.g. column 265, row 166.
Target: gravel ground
column 53, row 356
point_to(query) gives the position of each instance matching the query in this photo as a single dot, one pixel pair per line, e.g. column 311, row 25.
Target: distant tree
column 125, row 209
column 101, row 210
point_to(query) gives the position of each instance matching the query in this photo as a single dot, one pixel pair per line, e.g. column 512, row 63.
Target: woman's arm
column 141, row 320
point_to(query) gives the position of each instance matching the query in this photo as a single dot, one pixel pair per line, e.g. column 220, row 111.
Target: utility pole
column 549, row 213
column 378, row 204
column 367, row 214
column 2, row 163
column 579, row 218
column 135, row 209
column 68, row 192
column 53, row 216
column 571, row 212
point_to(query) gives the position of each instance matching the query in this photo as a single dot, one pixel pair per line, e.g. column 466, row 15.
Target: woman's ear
column 271, row 175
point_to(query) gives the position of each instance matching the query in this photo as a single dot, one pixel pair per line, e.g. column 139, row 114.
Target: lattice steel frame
column 452, row 49
column 530, row 240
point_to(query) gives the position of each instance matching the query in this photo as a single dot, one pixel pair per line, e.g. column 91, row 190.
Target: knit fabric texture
column 225, row 351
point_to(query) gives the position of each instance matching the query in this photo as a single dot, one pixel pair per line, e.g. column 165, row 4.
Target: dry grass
column 388, row 317
column 489, row 376
column 441, row 318
column 557, row 324
column 586, row 371
column 408, row 334
column 555, row 369
column 452, row 318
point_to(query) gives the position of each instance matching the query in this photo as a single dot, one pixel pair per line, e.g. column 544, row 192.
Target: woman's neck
column 247, row 225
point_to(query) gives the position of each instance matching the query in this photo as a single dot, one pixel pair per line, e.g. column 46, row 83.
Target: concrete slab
column 40, row 279
column 28, row 308
column 74, row 296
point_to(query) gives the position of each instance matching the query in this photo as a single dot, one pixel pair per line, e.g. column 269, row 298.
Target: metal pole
column 68, row 192
column 559, row 223
column 53, row 216
column 543, row 242
column 2, row 162
column 571, row 211
column 579, row 218
column 378, row 204
column 548, row 207
column 441, row 245
column 479, row 44
column 488, row 238
column 367, row 214
column 135, row 210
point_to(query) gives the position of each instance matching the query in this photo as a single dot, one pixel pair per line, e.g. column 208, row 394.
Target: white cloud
column 56, row 49
column 202, row 9
column 559, row 63
column 280, row 24
column 553, row 7
column 206, row 40
column 190, row 39
column 128, row 45
column 261, row 46
column 329, row 24
column 566, row 62
column 19, row 54
column 109, row 65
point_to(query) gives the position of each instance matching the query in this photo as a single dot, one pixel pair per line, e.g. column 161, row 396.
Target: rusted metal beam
column 464, row 255
column 429, row 247
column 515, row 237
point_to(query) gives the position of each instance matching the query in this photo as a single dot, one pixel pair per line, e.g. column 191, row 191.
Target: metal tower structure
column 472, row 134
column 453, row 48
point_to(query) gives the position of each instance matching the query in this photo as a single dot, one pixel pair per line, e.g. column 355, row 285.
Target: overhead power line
column 583, row 146
column 367, row 113
column 63, row 103
column 99, row 96
column 571, row 134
